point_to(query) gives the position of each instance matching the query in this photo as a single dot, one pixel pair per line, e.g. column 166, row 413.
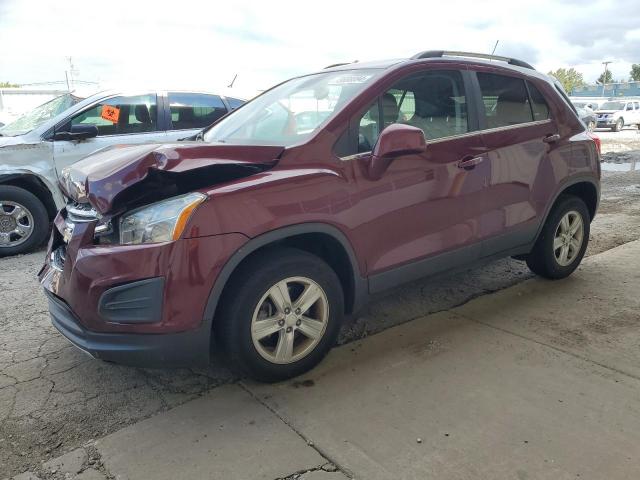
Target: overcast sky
column 203, row 44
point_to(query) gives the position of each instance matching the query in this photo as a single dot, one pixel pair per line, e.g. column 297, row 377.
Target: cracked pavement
column 55, row 399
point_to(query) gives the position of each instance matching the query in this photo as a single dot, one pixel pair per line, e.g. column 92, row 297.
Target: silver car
column 36, row 147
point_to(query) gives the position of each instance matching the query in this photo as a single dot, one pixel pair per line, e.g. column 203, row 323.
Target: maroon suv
column 259, row 235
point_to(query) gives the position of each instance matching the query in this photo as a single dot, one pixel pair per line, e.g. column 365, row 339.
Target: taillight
column 596, row 140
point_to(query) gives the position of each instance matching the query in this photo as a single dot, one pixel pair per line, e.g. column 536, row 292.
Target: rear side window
column 505, row 100
column 538, row 103
column 194, row 110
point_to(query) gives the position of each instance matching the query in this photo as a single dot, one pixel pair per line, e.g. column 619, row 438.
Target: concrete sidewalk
column 541, row 380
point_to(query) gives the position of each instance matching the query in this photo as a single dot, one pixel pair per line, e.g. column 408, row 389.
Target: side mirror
column 78, row 132
column 394, row 141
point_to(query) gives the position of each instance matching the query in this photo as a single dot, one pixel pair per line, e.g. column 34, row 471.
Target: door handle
column 551, row 138
column 470, row 163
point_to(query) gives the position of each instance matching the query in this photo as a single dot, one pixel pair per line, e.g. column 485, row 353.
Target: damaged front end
column 128, row 189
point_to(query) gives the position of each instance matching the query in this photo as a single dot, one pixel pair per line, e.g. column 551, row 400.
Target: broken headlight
column 159, row 222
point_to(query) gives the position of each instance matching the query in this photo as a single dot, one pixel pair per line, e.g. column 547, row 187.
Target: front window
column 433, row 101
column 612, row 106
column 290, row 113
column 39, row 115
column 119, row 116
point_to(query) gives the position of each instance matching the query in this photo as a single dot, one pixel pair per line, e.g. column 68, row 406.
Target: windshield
column 291, row 112
column 612, row 106
column 39, row 115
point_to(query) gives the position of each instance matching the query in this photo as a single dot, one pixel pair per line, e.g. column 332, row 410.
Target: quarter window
column 234, row 102
column 193, row 110
column 505, row 100
column 538, row 103
column 120, row 116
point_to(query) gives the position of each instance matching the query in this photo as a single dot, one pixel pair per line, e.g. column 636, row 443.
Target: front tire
column 24, row 223
column 564, row 238
column 619, row 125
column 281, row 314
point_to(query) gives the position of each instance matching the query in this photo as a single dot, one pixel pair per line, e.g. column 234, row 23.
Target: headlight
column 73, row 187
column 159, row 222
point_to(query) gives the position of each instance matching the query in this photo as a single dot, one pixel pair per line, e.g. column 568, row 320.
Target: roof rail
column 452, row 53
column 337, row 65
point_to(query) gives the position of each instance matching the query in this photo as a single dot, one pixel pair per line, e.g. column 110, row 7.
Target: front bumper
column 134, row 304
column 606, row 122
column 150, row 350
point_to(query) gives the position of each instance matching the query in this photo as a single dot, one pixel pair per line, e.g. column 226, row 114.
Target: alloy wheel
column 290, row 320
column 568, row 238
column 16, row 224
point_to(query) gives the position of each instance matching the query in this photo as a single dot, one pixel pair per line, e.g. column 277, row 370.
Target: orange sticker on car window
column 110, row 113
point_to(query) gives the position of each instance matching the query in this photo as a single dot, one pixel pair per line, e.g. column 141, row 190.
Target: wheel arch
column 584, row 187
column 35, row 185
column 585, row 190
column 323, row 240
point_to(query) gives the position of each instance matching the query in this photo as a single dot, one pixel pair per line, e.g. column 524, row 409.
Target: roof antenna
column 233, row 81
column 494, row 49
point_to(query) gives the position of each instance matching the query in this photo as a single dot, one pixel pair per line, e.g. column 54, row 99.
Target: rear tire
column 257, row 321
column 24, row 223
column 559, row 249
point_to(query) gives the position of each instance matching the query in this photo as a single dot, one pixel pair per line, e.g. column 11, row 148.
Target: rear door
column 191, row 112
column 119, row 119
column 521, row 139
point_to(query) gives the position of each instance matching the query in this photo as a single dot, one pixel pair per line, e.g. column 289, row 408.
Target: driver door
column 424, row 213
column 119, row 120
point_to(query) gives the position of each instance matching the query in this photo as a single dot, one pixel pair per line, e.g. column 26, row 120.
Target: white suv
column 615, row 114
column 36, row 147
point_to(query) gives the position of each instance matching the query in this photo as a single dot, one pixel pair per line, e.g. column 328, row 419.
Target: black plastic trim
column 133, row 303
column 136, row 349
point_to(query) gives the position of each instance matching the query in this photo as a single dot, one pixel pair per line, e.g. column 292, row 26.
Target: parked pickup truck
column 617, row 114
column 36, row 147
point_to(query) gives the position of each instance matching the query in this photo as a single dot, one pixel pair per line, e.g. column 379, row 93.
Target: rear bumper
column 136, row 349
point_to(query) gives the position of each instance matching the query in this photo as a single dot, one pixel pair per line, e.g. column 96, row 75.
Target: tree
column 605, row 79
column 570, row 78
column 8, row 85
column 635, row 72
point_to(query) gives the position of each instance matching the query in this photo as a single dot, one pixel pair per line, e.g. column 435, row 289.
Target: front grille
column 81, row 212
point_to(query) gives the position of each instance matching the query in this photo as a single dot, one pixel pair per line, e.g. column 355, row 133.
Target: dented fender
column 19, row 158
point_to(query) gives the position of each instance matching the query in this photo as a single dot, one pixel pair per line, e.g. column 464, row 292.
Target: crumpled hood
column 130, row 174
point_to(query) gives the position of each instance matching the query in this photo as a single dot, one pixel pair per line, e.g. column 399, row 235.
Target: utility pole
column 604, row 77
column 70, row 74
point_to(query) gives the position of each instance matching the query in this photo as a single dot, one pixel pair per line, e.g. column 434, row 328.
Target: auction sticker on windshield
column 110, row 113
